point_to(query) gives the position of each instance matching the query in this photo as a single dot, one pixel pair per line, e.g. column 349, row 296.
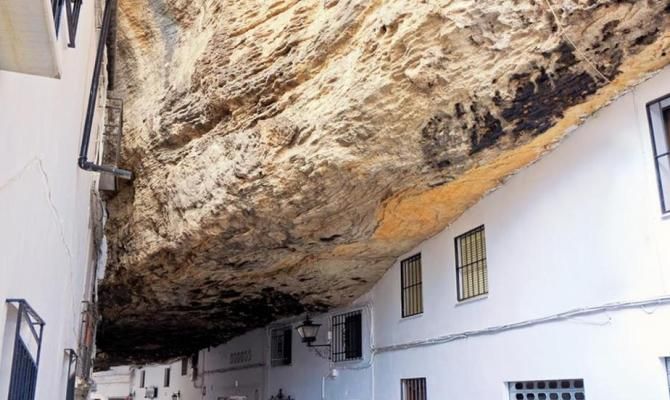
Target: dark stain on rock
column 179, row 331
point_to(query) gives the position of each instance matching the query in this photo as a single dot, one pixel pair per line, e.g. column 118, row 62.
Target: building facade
column 50, row 210
column 555, row 286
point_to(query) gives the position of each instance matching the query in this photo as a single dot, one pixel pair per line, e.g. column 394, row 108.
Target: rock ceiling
column 286, row 152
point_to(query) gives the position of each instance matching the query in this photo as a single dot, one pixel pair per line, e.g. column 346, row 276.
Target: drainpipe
column 83, row 161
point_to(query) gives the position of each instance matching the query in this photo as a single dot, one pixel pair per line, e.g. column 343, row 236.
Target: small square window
column 412, row 286
column 281, row 346
column 414, row 389
column 166, row 377
column 471, row 269
column 347, row 342
column 565, row 389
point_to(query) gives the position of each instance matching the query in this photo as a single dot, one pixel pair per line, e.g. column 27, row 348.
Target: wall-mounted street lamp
column 308, row 331
column 176, row 396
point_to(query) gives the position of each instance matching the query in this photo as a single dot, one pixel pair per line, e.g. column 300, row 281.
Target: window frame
column 285, row 334
column 22, row 386
column 422, row 388
column 457, row 246
column 406, row 268
column 340, row 350
column 665, row 208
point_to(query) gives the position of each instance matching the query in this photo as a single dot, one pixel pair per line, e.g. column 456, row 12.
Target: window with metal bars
column 412, row 287
column 184, row 366
column 566, row 389
column 280, row 344
column 414, row 389
column 347, row 338
column 26, row 351
column 471, row 272
column 143, row 376
column 658, row 113
column 166, row 377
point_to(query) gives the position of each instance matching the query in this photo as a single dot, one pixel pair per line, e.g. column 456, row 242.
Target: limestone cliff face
column 286, row 151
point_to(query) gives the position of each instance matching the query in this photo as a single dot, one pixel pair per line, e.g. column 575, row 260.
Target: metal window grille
column 412, row 287
column 184, row 366
column 143, row 376
column 471, row 271
column 414, row 389
column 71, row 374
column 72, row 11
column 27, row 349
column 240, row 357
column 347, row 338
column 194, row 365
column 568, row 389
column 166, row 378
column 280, row 346
column 658, row 113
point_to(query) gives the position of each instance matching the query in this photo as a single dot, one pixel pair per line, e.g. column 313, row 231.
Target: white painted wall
column 113, row 384
column 45, row 238
column 580, row 228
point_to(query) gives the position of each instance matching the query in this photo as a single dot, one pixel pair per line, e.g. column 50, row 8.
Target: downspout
column 83, row 161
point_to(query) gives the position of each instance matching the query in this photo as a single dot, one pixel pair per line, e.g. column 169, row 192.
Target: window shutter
column 287, row 346
column 352, row 331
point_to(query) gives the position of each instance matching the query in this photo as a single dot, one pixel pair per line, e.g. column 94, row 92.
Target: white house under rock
column 555, row 286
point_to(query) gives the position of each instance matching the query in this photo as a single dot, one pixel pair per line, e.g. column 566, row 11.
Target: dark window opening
column 414, row 389
column 184, row 366
column 280, row 353
column 412, row 286
column 347, row 341
column 194, row 365
column 166, row 378
column 658, row 113
column 471, row 269
column 143, row 376
column 27, row 348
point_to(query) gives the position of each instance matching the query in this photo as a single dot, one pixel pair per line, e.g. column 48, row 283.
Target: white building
column 568, row 299
column 49, row 207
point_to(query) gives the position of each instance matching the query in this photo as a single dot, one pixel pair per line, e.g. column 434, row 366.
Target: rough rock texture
column 287, row 151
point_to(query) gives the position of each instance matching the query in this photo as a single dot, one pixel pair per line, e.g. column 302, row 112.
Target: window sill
column 411, row 317
column 473, row 299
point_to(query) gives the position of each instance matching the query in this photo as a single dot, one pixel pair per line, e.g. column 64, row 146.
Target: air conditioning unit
column 151, row 392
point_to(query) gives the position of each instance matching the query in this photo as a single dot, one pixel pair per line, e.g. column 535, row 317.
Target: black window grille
column 567, row 389
column 72, row 12
column 347, row 338
column 658, row 113
column 281, row 346
column 184, row 366
column 471, row 271
column 412, row 287
column 414, row 389
column 166, row 377
column 71, row 374
column 143, row 376
column 194, row 365
column 27, row 349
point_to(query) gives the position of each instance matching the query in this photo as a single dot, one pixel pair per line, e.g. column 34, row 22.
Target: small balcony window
column 27, row 332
